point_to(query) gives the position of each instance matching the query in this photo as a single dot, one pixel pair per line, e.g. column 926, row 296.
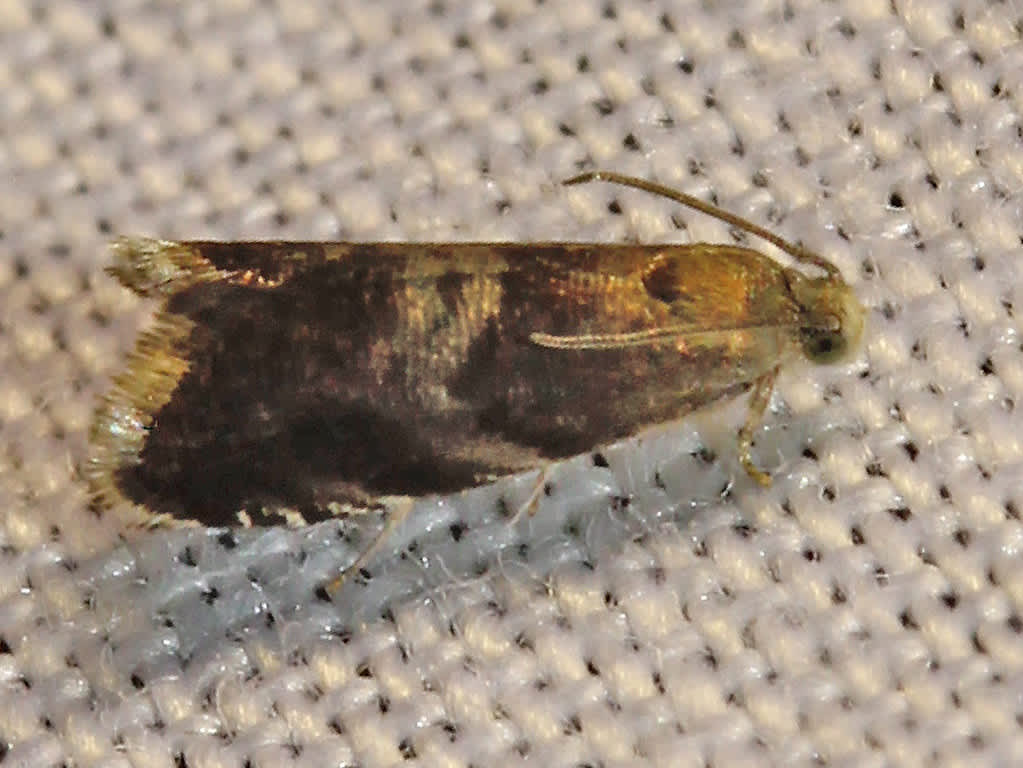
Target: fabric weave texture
column 661, row 610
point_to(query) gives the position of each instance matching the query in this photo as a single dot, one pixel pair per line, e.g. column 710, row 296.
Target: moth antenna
column 607, row 340
column 798, row 252
column 633, row 338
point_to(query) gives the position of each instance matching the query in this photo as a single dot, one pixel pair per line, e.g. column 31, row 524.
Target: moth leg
column 532, row 502
column 758, row 400
column 397, row 509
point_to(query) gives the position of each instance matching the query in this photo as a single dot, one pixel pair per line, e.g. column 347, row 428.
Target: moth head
column 832, row 323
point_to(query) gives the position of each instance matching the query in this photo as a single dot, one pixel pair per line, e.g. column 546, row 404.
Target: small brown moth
column 290, row 382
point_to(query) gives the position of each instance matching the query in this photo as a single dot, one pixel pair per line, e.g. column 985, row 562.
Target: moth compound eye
column 823, row 346
column 832, row 319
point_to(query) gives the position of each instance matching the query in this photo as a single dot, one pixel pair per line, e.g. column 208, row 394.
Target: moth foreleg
column 759, row 397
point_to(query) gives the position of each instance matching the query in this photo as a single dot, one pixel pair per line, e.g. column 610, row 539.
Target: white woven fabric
column 865, row 610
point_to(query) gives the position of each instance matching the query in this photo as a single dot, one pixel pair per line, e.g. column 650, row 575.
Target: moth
column 291, row 382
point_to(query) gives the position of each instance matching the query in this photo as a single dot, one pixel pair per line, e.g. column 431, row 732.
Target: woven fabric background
column 867, row 609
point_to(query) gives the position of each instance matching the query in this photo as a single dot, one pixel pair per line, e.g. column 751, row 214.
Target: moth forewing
column 285, row 381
